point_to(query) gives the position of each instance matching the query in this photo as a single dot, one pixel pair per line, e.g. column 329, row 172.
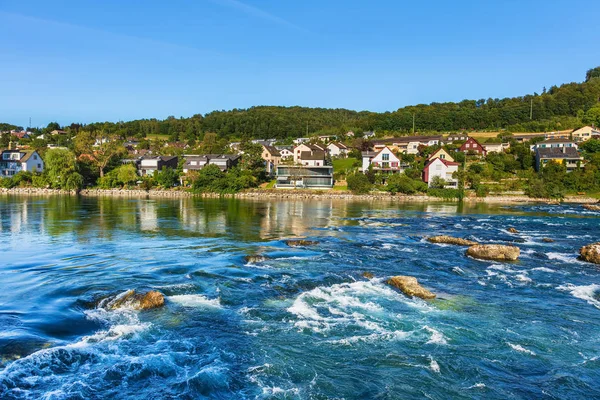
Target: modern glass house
column 304, row 177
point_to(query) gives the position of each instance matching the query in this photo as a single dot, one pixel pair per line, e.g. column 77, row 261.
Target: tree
column 99, row 148
column 62, row 171
column 437, row 182
column 167, row 177
column 400, row 183
column 592, row 73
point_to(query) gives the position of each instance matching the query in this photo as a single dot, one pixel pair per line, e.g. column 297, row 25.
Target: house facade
column 441, row 153
column 407, row 144
column 554, row 144
column 304, row 177
column 568, row 156
column 442, row 168
column 148, row 165
column 337, row 149
column 472, row 146
column 306, row 148
column 314, row 158
column 496, row 147
column 585, row 133
column 272, row 158
column 456, row 137
column 384, row 161
column 195, row 162
column 15, row 161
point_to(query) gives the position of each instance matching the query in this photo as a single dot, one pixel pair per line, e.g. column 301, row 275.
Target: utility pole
column 531, row 110
column 413, row 123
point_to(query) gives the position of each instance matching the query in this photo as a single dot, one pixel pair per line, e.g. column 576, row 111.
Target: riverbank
column 285, row 194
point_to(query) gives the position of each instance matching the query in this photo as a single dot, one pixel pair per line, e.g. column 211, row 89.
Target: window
column 385, row 157
column 35, row 157
column 39, row 167
column 386, row 165
column 442, row 156
column 394, row 165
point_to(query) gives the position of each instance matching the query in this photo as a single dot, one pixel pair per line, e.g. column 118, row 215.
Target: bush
column 358, row 183
column 482, row 191
column 167, row 177
column 401, row 183
column 448, row 194
column 437, row 182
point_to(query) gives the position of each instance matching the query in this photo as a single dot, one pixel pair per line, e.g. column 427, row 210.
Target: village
column 317, row 162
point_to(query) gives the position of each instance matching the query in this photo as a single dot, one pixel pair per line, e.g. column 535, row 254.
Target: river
column 304, row 323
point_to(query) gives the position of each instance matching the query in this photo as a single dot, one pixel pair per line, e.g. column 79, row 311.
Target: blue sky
column 110, row 60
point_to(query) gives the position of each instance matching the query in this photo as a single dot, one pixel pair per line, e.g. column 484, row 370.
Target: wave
column 436, row 336
column 585, row 292
column 433, row 365
column 521, row 349
column 194, row 300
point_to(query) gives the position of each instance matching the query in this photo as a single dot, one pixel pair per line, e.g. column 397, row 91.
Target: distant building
column 553, row 144
column 456, row 137
column 384, row 161
column 21, row 134
column 368, row 135
column 585, row 133
column 496, row 147
column 441, row 153
column 407, row 144
column 286, row 152
column 148, row 165
column 301, row 140
column 195, row 162
column 58, row 132
column 442, row 168
column 272, row 157
column 472, row 146
column 558, row 135
column 568, row 156
column 337, row 149
column 305, row 177
column 13, row 161
column 522, row 138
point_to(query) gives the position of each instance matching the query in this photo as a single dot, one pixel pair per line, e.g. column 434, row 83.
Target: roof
column 231, row 157
column 20, row 134
column 445, row 162
column 407, row 139
column 556, row 141
column 312, row 155
column 24, row 154
column 272, row 149
column 556, row 152
column 338, row 144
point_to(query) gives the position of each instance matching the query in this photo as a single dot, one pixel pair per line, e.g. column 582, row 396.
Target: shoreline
column 287, row 195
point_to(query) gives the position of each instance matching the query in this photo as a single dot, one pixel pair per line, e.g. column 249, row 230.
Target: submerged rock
column 494, row 252
column 451, row 240
column 592, row 207
column 410, row 287
column 513, row 230
column 547, row 240
column 368, row 275
column 301, row 243
column 590, row 253
column 136, row 301
column 255, row 258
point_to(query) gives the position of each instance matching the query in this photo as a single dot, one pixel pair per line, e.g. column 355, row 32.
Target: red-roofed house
column 473, row 146
column 442, row 168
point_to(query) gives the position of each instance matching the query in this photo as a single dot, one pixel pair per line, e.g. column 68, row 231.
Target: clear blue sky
column 110, row 60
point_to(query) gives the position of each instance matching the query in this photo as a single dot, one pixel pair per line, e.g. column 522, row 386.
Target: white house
column 496, row 147
column 14, row 161
column 382, row 161
column 553, row 144
column 442, row 168
column 337, row 149
column 585, row 133
column 315, row 158
column 301, row 140
column 286, row 152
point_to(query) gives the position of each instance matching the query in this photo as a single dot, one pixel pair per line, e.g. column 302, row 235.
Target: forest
column 560, row 107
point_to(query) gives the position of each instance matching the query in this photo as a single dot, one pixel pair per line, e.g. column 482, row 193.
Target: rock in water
column 152, row 299
column 590, row 253
column 255, row 258
column 547, row 240
column 136, row 301
column 591, row 207
column 451, row 240
column 410, row 287
column 494, row 252
column 513, row 230
column 368, row 275
column 301, row 243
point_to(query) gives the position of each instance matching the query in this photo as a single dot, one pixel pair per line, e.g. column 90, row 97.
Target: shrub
column 403, row 184
column 447, row 194
column 358, row 183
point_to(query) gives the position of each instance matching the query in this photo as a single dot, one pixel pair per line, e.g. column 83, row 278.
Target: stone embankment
column 287, row 194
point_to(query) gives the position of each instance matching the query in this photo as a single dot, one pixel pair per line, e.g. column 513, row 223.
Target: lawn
column 153, row 136
column 343, row 164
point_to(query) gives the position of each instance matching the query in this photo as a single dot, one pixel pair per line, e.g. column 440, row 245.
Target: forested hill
column 560, row 107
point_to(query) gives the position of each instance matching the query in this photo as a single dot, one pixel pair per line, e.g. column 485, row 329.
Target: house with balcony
column 496, row 147
column 148, row 165
column 13, row 161
column 384, row 161
column 568, row 156
column 554, row 144
column 442, row 168
column 195, row 162
column 304, row 177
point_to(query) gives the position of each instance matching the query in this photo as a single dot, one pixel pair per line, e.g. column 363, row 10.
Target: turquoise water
column 304, row 323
